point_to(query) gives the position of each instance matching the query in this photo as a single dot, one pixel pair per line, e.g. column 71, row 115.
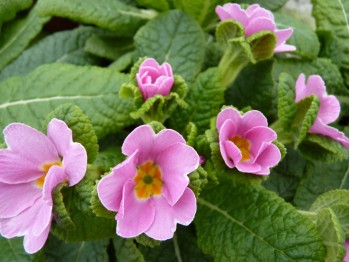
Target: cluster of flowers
column 153, row 180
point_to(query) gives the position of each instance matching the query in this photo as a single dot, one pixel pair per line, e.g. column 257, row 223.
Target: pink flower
column 346, row 244
column 254, row 20
column 246, row 141
column 329, row 107
column 149, row 189
column 31, row 166
column 153, row 78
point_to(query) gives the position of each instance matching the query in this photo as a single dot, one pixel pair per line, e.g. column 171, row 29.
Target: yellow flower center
column 45, row 168
column 148, row 180
column 243, row 145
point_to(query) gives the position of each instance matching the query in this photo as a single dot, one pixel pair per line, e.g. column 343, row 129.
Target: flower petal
column 176, row 162
column 141, row 138
column 43, row 220
column 110, row 187
column 75, row 163
column 149, row 90
column 251, row 119
column 165, row 84
column 32, row 243
column 228, row 113
column 329, row 109
column 257, row 136
column 282, row 35
column 315, row 86
column 268, row 158
column 30, row 144
column 259, row 24
column 166, row 138
column 232, row 11
column 255, row 11
column 300, row 88
column 166, row 216
column 14, row 199
column 60, row 134
column 166, row 70
column 15, row 169
column 230, row 153
column 284, row 48
column 55, row 176
column 248, row 167
column 138, row 215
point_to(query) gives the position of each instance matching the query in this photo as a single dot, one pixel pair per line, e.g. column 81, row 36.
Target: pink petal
column 329, row 109
column 252, row 8
column 232, row 11
column 228, row 113
column 22, row 223
column 300, row 88
column 285, row 48
column 150, row 62
column 165, row 85
column 228, row 130
column 315, row 86
column 251, row 119
column 30, row 144
column 60, row 134
column 141, row 138
column 268, row 158
column 55, row 176
column 230, row 153
column 138, row 215
column 282, row 35
column 166, row 138
column 176, row 162
column 257, row 136
column 14, row 199
column 16, row 169
column 149, row 74
column 110, row 187
column 320, row 128
column 43, row 220
column 166, row 70
column 248, row 167
column 32, row 243
column 75, row 163
column 259, row 12
column 166, row 216
column 259, row 24
column 149, row 90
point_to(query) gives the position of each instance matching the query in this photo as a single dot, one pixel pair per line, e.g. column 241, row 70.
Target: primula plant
column 203, row 130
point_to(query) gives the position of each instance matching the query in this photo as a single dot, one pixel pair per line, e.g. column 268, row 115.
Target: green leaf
column 176, row 38
column 330, row 199
column 205, row 98
column 307, row 110
column 320, row 178
column 258, row 92
column 160, row 5
column 322, row 148
column 332, row 235
column 96, row 206
column 285, row 177
column 287, row 107
column 57, row 250
column 331, row 22
column 79, row 123
column 9, row 8
column 109, row 158
column 320, row 66
column 95, row 90
column 123, row 62
column 198, row 180
column 182, row 247
column 12, row 250
column 303, row 37
column 17, row 34
column 126, row 250
column 269, row 4
column 147, row 241
column 108, row 46
column 108, row 14
column 258, row 227
column 63, row 47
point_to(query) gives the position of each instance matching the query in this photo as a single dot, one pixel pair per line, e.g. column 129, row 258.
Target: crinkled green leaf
column 320, row 178
column 204, row 99
column 287, row 107
column 303, row 37
column 107, row 14
column 176, row 38
column 342, row 212
column 258, row 92
column 227, row 30
column 198, row 180
column 320, row 66
column 182, row 247
column 79, row 123
column 332, row 235
column 123, row 62
column 213, row 53
column 63, row 47
column 126, row 250
column 322, row 148
column 108, row 159
column 285, row 177
column 12, row 250
column 95, row 90
column 330, row 199
column 57, row 250
column 108, row 46
column 17, row 34
column 97, row 208
column 269, row 4
column 331, row 18
column 9, row 8
column 258, row 227
column 147, row 241
column 160, row 5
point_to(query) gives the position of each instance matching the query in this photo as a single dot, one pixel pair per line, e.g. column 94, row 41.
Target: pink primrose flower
column 246, row 141
column 31, row 166
column 329, row 107
column 346, row 244
column 149, row 189
column 153, row 78
column 254, row 20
